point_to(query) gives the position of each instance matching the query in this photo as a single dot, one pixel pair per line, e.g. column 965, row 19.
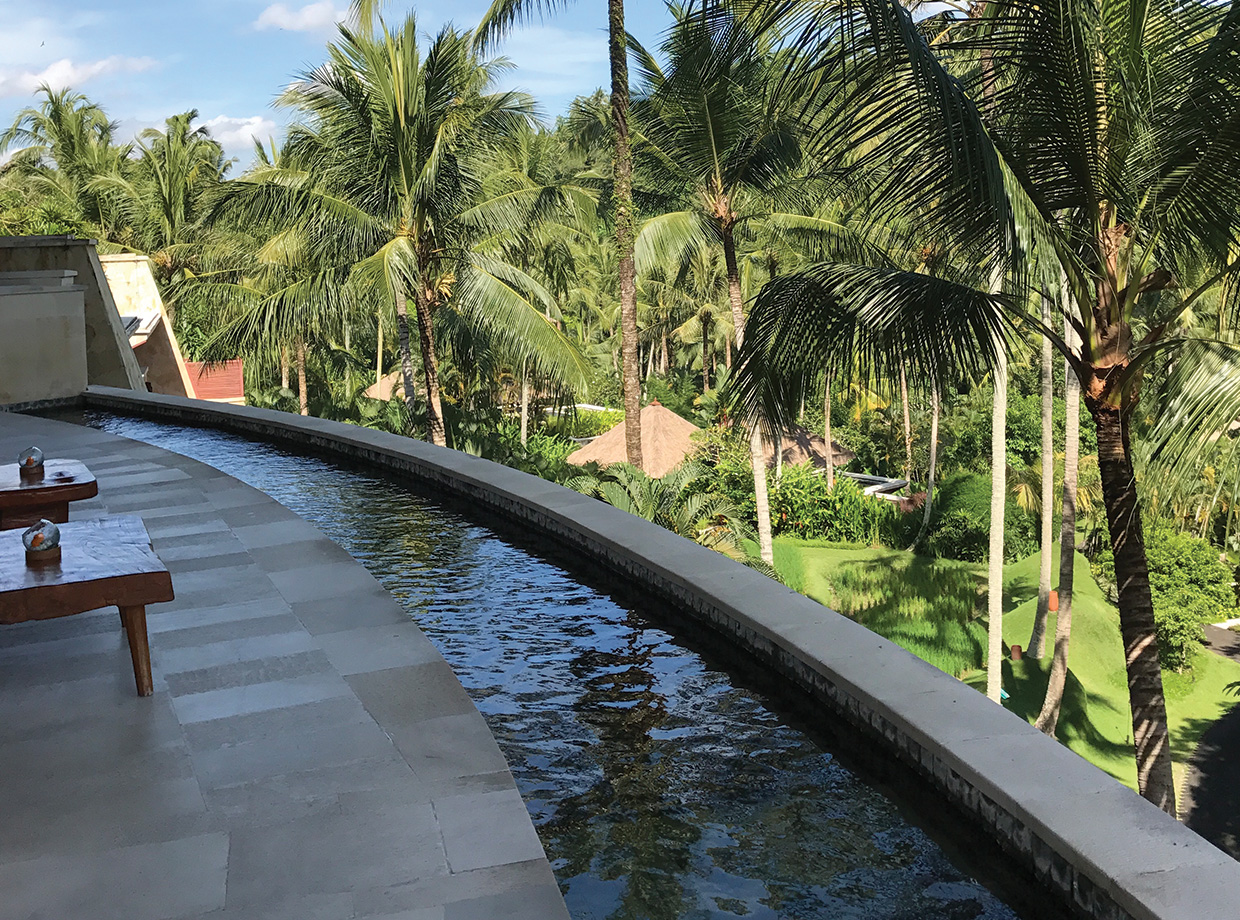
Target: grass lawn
column 920, row 602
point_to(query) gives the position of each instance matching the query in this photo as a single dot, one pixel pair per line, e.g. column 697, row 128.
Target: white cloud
column 551, row 61
column 313, row 17
column 66, row 72
column 237, row 135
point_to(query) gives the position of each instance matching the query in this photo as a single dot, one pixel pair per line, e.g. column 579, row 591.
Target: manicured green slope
column 1095, row 719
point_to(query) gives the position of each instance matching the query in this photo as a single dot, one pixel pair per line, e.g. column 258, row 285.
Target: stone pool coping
column 307, row 754
column 1102, row 849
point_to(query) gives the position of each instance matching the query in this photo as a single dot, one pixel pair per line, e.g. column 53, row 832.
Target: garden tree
column 386, row 179
column 715, row 140
column 57, row 151
column 1108, row 147
column 501, row 16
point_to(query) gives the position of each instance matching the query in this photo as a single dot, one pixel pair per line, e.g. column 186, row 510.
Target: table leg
column 134, row 619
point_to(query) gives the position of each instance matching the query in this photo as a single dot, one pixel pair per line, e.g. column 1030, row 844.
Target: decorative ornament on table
column 42, row 542
column 30, row 463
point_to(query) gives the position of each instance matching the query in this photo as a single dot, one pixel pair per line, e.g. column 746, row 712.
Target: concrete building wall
column 109, row 359
column 134, row 290
column 42, row 343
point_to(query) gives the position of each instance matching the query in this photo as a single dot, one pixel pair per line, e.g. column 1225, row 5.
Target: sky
column 144, row 60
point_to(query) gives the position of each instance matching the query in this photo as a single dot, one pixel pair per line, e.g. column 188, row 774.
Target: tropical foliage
column 911, row 202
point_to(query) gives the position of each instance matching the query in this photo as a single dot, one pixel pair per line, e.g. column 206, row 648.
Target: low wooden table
column 106, row 563
column 24, row 501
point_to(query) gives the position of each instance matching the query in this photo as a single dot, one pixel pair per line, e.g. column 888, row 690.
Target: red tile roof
column 222, row 382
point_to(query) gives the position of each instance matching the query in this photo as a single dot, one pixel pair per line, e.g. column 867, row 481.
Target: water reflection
column 661, row 790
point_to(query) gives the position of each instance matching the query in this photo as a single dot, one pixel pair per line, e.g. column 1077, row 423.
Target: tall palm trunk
column 998, row 502
column 525, row 402
column 705, row 354
column 379, row 354
column 430, row 368
column 663, row 360
column 303, row 398
column 757, row 454
column 1048, row 718
column 1136, row 607
column 403, row 349
column 934, row 457
column 348, row 367
column 1037, row 638
column 826, row 431
column 908, row 426
column 622, row 191
column 284, row 368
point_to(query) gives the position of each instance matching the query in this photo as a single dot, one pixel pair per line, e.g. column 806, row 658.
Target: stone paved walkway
column 307, row 754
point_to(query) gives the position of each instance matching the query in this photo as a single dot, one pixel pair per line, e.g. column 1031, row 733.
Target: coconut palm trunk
column 525, row 402
column 908, row 426
column 303, row 399
column 927, row 508
column 826, row 431
column 622, row 191
column 1037, row 638
column 379, row 353
column 998, row 502
column 757, row 452
column 403, row 348
column 284, row 368
column 430, row 369
column 1048, row 718
column 1151, row 737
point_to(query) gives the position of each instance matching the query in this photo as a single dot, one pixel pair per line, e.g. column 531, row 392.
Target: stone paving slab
column 307, row 755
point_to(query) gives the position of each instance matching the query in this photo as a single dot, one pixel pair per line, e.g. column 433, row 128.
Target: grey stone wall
column 1097, row 847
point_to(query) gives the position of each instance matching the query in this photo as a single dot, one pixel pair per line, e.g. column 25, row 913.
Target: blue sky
column 146, row 59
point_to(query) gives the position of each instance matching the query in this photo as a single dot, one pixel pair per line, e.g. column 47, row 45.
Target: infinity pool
column 661, row 784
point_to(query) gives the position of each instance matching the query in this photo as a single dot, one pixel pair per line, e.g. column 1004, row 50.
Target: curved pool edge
column 1097, row 846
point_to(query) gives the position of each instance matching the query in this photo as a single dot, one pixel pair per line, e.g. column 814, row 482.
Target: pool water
column 661, row 785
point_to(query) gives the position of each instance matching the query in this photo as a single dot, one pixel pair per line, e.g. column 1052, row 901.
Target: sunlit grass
column 922, row 605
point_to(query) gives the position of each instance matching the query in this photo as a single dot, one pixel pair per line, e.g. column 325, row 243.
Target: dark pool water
column 660, row 788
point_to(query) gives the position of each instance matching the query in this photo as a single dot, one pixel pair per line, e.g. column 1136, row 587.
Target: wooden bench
column 24, row 501
column 107, row 563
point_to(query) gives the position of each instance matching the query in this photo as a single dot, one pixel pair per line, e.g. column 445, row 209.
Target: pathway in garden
column 307, row 754
column 1210, row 798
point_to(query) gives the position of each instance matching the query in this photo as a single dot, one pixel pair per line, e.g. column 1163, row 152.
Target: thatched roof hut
column 666, row 442
column 801, row 445
column 390, row 386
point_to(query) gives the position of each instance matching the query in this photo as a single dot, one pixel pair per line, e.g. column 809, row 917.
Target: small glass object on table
column 42, row 542
column 30, row 463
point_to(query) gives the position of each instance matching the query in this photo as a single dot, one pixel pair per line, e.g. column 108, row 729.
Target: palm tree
column 1107, row 148
column 59, row 148
column 714, row 139
column 503, row 15
column 166, row 193
column 387, row 178
column 1048, row 717
column 1037, row 638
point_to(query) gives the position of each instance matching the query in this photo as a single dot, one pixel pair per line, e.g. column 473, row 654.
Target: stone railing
column 1095, row 846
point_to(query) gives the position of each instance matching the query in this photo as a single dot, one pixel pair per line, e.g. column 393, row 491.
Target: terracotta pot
column 1054, row 604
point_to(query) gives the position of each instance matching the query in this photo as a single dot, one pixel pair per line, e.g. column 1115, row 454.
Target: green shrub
column 802, row 505
column 585, row 423
column 543, row 454
column 1189, row 585
column 960, row 523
